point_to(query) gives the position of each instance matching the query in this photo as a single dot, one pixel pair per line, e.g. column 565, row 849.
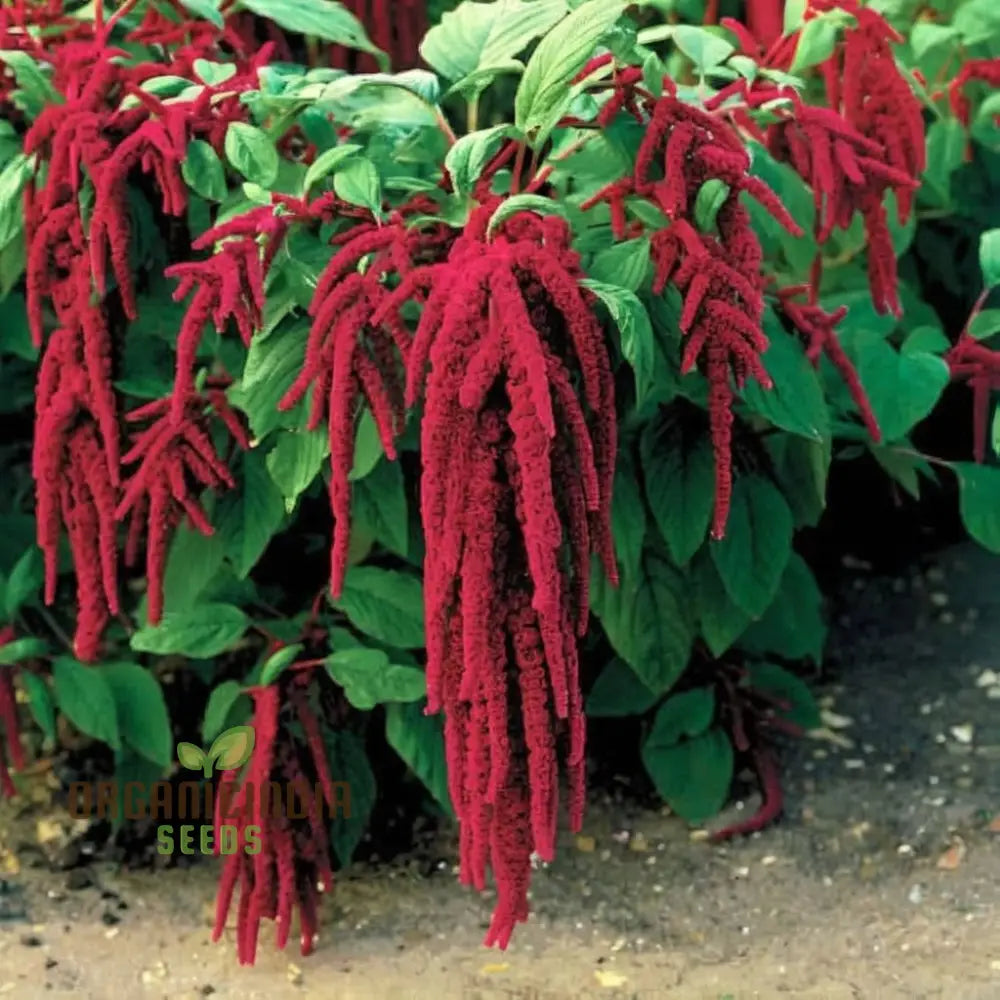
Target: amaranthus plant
column 566, row 307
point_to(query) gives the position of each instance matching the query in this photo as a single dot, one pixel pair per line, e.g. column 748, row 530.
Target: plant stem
column 472, row 115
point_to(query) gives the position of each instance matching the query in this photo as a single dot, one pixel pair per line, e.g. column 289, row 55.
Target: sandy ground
column 882, row 881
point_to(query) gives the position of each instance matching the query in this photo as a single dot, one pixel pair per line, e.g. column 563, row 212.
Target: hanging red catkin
column 515, row 495
column 354, row 358
column 283, row 779
column 13, row 756
column 819, row 328
column 979, row 366
column 174, row 458
column 718, row 274
column 974, row 70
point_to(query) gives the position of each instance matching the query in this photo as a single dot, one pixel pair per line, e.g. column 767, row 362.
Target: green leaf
column 751, row 557
column 322, row 19
column 628, row 516
column 984, row 324
column 704, row 48
column 711, row 197
column 143, row 720
column 618, row 692
column 470, row 154
column 979, row 502
column 479, row 38
column 193, row 563
column 771, row 679
column 232, row 748
column 795, row 402
column 357, row 182
column 207, row 9
column 220, row 703
column 646, row 621
column 22, row 649
column 24, row 581
column 295, row 461
column 326, row 162
column 84, row 697
column 34, row 92
column 271, row 366
column 678, row 469
column 692, row 776
column 203, row 171
column 419, row 741
column 989, row 256
column 816, row 43
column 213, row 73
column 252, row 152
column 793, row 626
column 721, row 621
column 686, row 714
column 348, row 763
column 545, row 92
column 622, row 265
column 369, row 679
column 190, row 756
column 536, row 203
column 385, row 604
column 367, row 447
column 379, row 507
column 276, row 663
column 15, row 175
column 249, row 516
column 801, row 467
column 903, row 388
column 202, row 632
column 41, row 705
column 635, row 329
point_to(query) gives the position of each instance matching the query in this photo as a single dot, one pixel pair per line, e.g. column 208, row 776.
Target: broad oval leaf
column 84, row 697
column 203, row 631
column 385, row 604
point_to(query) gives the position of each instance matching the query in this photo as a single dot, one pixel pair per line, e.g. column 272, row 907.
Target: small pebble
column 585, row 844
column 963, row 733
column 638, row 843
column 939, row 599
column 916, row 895
column 905, row 850
column 294, row 974
column 988, row 678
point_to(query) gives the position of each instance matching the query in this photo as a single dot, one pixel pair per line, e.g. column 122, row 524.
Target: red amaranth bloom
column 507, row 333
column 176, row 457
column 13, row 757
column 717, row 273
column 292, row 865
column 979, row 366
column 974, row 70
column 819, row 328
column 356, row 349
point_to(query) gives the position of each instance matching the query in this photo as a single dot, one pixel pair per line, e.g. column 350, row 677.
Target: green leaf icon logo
column 230, row 750
column 192, row 757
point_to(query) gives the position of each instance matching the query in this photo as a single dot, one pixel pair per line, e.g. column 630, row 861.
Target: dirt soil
column 882, row 881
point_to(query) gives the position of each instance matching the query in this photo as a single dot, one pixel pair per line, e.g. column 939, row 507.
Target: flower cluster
column 717, row 273
column 979, row 366
column 515, row 495
column 286, row 794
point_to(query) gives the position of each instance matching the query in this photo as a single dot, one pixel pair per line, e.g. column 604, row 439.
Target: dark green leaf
column 751, row 557
column 679, row 472
column 989, row 256
column 326, row 162
column 252, row 152
column 536, row 203
column 635, row 330
column 40, row 703
column 979, row 500
column 143, row 720
column 622, row 265
column 203, row 171
column 22, row 649
column 249, row 516
column 628, row 516
column 617, row 692
column 220, row 704
column 203, row 631
column 369, row 679
column 379, row 507
column 323, row 19
column 802, row 709
column 692, row 776
column 646, row 621
column 793, row 626
column 350, row 771
column 720, row 620
column 276, row 663
column 295, row 460
column 419, row 740
column 687, row 714
column 386, row 604
column 84, row 697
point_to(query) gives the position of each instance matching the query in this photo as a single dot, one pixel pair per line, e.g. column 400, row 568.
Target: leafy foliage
column 388, row 377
